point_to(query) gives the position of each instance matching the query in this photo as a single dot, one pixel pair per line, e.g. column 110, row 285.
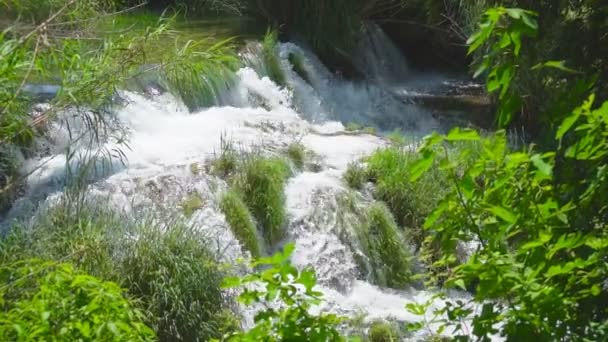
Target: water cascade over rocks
column 154, row 171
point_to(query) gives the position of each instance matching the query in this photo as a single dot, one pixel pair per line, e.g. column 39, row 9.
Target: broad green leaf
column 560, row 65
column 458, row 134
column 542, row 166
column 567, row 124
column 503, row 213
column 421, row 166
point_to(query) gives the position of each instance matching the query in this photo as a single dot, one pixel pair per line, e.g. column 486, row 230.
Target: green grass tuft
column 271, row 58
column 262, row 184
column 178, row 280
column 226, row 163
column 161, row 262
column 241, row 222
column 353, row 127
column 410, row 202
column 192, row 203
column 355, row 176
column 391, row 260
column 382, row 332
column 297, row 153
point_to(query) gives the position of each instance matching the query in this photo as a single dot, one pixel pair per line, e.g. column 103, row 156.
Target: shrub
column 410, row 202
column 382, row 332
column 541, row 229
column 390, row 259
column 271, row 58
column 287, row 295
column 262, row 184
column 297, row 154
column 48, row 302
column 355, row 176
column 241, row 222
column 177, row 280
column 161, row 262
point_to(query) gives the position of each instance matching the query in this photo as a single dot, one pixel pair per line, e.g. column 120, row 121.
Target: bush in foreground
column 163, row 264
column 46, row 301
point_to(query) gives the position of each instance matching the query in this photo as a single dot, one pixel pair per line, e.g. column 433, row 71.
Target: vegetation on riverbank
column 537, row 216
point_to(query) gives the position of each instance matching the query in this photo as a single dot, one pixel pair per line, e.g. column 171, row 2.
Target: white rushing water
column 165, row 141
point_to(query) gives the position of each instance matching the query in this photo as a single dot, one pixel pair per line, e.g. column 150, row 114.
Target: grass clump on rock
column 410, row 202
column 241, row 222
column 355, row 176
column 297, row 153
column 271, row 58
column 262, row 184
column 390, row 258
column 192, row 203
column 382, row 332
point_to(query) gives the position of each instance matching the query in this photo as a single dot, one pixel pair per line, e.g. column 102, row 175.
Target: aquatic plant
column 297, row 153
column 388, row 252
column 241, row 222
column 262, row 184
column 410, row 202
column 355, row 176
column 192, row 203
column 271, row 58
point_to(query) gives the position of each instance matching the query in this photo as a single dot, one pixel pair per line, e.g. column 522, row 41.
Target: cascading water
column 164, row 140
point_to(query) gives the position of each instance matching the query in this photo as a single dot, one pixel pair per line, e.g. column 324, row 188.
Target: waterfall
column 165, row 140
column 378, row 58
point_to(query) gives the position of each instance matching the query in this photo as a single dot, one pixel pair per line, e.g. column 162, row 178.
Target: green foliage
column 262, row 184
column 505, row 27
column 355, row 176
column 226, row 163
column 410, row 202
column 542, row 235
column 161, row 262
column 198, row 73
column 297, row 153
column 192, row 203
column 388, row 252
column 382, row 332
column 271, row 58
column 178, row 282
column 353, row 127
column 46, row 301
column 241, row 222
column 288, row 295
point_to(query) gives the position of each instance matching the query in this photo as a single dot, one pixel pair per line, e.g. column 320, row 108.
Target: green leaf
column 567, row 124
column 542, row 166
column 421, row 166
column 458, row 134
column 560, row 65
column 308, row 279
column 231, row 282
column 503, row 213
column 460, row 283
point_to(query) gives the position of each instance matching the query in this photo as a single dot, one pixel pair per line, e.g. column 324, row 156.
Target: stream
column 168, row 147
